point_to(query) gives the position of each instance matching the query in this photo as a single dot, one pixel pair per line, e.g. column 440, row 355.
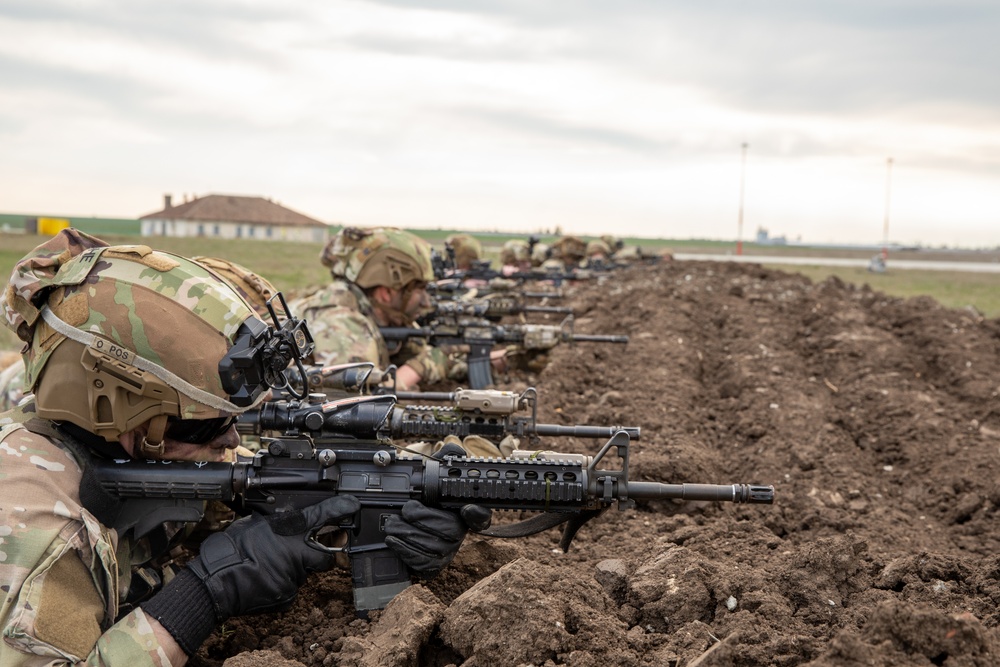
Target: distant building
column 764, row 238
column 232, row 217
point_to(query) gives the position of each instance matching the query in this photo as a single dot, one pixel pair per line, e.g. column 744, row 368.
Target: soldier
column 254, row 289
column 570, row 251
column 515, row 257
column 124, row 349
column 598, row 254
column 613, row 242
column 540, row 253
column 380, row 278
column 467, row 250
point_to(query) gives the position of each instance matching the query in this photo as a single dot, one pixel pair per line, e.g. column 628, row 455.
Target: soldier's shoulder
column 337, row 294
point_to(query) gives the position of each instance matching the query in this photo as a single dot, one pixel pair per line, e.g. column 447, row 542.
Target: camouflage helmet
column 540, row 253
column 614, row 243
column 467, row 249
column 121, row 336
column 514, row 252
column 570, row 248
column 380, row 256
column 598, row 247
column 254, row 289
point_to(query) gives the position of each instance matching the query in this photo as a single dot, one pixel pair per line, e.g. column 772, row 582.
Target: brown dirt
column 875, row 418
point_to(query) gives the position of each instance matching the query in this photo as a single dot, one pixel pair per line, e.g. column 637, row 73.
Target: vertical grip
column 377, row 573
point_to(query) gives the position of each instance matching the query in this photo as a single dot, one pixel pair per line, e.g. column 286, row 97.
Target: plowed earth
column 876, row 419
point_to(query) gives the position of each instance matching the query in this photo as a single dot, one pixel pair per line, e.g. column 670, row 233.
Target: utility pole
column 885, row 225
column 739, row 228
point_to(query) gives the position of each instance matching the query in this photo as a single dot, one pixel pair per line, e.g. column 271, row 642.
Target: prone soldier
column 131, row 354
column 380, row 278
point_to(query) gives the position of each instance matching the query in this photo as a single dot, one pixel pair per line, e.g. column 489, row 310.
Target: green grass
column 955, row 289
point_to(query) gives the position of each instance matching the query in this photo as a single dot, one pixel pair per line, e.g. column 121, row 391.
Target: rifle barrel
column 585, row 431
column 735, row 493
column 592, row 338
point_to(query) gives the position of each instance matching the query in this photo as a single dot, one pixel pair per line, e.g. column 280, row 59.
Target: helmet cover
column 380, row 256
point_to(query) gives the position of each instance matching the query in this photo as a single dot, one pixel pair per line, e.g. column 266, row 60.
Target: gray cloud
column 849, row 57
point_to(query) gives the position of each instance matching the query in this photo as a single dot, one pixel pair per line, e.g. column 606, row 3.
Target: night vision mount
column 262, row 352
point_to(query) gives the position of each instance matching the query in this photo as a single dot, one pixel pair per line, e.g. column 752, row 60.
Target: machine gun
column 481, row 335
column 355, row 458
column 490, row 414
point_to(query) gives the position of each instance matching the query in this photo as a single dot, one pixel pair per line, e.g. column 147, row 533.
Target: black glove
column 255, row 565
column 427, row 539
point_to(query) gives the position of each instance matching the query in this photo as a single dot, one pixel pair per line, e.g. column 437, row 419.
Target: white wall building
column 233, row 217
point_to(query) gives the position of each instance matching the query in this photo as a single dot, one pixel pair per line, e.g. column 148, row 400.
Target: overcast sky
column 625, row 117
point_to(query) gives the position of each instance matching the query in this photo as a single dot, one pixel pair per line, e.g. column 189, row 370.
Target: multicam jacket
column 64, row 575
column 341, row 320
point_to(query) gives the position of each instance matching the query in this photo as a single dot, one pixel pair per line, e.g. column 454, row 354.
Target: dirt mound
column 875, row 418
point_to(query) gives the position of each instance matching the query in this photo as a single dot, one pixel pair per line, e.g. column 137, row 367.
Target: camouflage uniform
column 11, row 385
column 515, row 253
column 342, row 321
column 66, row 577
column 341, row 317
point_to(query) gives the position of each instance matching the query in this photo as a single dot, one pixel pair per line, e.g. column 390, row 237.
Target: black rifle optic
column 295, row 472
column 487, row 413
column 481, row 336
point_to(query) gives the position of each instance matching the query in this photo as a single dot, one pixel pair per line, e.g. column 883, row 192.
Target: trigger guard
column 314, row 543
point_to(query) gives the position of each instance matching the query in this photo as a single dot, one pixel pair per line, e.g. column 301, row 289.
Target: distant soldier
column 467, row 250
column 570, row 250
column 515, row 256
column 598, row 254
column 540, row 253
column 613, row 242
column 380, row 278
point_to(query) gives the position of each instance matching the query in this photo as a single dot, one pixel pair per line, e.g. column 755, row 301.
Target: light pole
column 739, row 227
column 885, row 224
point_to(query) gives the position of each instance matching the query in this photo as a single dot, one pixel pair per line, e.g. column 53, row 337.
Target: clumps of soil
column 875, row 418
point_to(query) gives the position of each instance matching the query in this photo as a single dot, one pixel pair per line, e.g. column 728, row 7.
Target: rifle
column 487, row 413
column 481, row 335
column 298, row 471
column 455, row 288
column 493, row 308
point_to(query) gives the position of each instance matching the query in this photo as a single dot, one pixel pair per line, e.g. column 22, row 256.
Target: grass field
column 295, row 268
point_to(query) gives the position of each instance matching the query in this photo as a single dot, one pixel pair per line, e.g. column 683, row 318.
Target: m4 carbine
column 299, row 471
column 481, row 336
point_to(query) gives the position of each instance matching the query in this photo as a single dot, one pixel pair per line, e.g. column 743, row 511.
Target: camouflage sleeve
column 345, row 336
column 59, row 568
column 432, row 364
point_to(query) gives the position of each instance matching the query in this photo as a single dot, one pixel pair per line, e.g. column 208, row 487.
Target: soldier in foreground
column 130, row 356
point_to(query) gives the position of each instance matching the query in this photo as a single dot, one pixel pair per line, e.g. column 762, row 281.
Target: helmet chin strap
column 151, row 444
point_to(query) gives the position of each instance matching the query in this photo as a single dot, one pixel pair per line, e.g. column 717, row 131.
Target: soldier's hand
column 256, row 565
column 427, row 539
